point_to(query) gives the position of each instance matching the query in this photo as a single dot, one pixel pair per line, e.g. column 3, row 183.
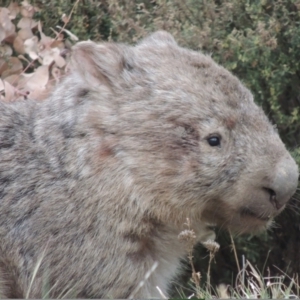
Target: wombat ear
column 160, row 37
column 97, row 63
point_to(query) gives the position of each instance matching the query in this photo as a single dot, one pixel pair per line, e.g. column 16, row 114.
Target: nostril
column 273, row 198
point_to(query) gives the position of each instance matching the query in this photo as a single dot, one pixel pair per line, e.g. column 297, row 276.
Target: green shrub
column 259, row 41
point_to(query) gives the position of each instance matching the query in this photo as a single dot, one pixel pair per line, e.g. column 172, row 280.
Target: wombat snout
column 284, row 183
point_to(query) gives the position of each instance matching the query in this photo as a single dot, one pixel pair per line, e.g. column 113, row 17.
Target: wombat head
column 182, row 134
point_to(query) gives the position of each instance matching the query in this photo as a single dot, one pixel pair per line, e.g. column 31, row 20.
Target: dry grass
column 249, row 283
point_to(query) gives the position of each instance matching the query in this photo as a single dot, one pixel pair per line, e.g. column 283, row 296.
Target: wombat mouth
column 245, row 211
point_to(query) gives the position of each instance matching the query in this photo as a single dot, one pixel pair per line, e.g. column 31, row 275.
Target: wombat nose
column 284, row 183
column 273, row 198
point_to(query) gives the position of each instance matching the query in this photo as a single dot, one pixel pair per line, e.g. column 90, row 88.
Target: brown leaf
column 5, row 23
column 14, row 10
column 19, row 45
column 9, row 91
column 22, row 81
column 27, row 10
column 1, row 86
column 58, row 44
column 25, row 33
column 39, row 94
column 11, row 66
column 26, row 23
column 13, row 79
column 59, row 61
column 39, row 78
column 51, row 55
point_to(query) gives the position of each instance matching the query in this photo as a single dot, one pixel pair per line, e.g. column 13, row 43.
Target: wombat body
column 97, row 181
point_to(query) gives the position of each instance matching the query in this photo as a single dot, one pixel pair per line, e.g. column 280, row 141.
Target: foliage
column 258, row 40
column 90, row 19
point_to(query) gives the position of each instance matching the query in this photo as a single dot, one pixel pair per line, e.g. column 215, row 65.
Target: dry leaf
column 60, row 61
column 27, row 10
column 19, row 45
column 31, row 47
column 39, row 78
column 1, row 85
column 58, row 44
column 44, row 51
column 25, row 33
column 51, row 55
column 7, row 27
column 27, row 23
column 22, row 81
column 14, row 10
column 13, row 79
column 9, row 91
column 10, row 66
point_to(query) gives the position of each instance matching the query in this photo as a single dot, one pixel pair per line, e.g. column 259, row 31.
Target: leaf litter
column 31, row 63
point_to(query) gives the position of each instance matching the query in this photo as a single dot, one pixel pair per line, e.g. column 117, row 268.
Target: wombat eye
column 214, row 141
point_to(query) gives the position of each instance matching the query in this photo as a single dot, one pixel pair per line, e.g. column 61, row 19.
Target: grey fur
column 98, row 180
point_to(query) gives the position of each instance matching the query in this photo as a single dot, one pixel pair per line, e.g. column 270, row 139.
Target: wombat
column 97, row 181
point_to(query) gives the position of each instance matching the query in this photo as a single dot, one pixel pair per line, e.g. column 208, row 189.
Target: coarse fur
column 97, row 181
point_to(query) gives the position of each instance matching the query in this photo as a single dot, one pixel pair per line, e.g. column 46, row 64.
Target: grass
column 249, row 283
